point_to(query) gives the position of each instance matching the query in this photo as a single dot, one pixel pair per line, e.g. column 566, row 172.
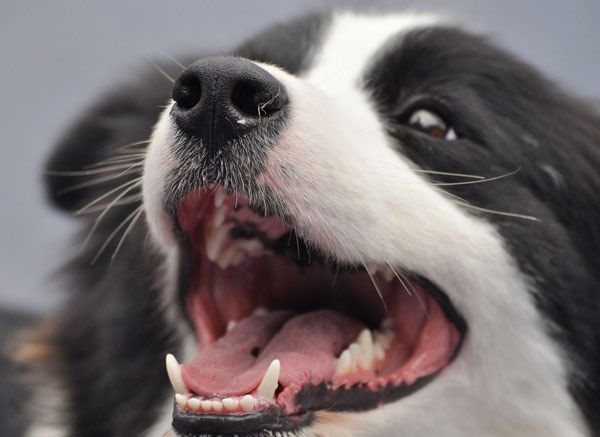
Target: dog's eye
column 432, row 124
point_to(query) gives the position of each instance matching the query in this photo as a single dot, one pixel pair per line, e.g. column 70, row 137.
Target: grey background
column 57, row 56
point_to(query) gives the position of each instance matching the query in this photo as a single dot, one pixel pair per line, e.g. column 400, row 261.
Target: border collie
column 352, row 225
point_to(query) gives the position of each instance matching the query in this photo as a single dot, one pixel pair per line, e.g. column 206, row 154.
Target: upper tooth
column 181, row 400
column 174, row 372
column 248, row 403
column 206, row 405
column 219, row 197
column 270, row 381
column 356, row 353
column 215, row 240
column 219, row 216
column 365, row 339
column 231, row 403
column 344, row 364
column 217, row 405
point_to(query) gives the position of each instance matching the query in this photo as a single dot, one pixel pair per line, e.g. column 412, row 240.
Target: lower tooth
column 174, row 372
column 248, row 403
column 230, row 325
column 181, row 400
column 270, row 381
column 194, row 404
column 231, row 403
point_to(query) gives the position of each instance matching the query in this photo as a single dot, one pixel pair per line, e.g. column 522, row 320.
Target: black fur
column 510, row 119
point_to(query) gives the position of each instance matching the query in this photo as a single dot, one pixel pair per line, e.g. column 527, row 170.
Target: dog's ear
column 78, row 171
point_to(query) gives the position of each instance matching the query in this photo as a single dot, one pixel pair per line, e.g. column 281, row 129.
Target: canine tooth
column 344, row 363
column 174, row 372
column 231, row 324
column 365, row 339
column 270, row 381
column 215, row 239
column 248, row 403
column 181, row 400
column 231, row 403
column 206, row 405
column 379, row 351
column 194, row 404
column 219, row 216
column 219, row 197
column 356, row 353
column 217, row 405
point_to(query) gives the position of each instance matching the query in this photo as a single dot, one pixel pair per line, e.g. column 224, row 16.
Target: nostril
column 187, row 92
column 244, row 98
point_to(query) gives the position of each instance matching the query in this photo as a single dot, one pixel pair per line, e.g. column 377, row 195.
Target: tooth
column 217, row 406
column 365, row 339
column 387, row 323
column 260, row 311
column 181, row 400
column 229, row 257
column 344, row 363
column 356, row 353
column 230, row 325
column 219, row 216
column 219, row 197
column 215, row 240
column 174, row 372
column 231, row 403
column 206, row 405
column 270, row 381
column 379, row 351
column 194, row 404
column 248, row 403
column 384, row 338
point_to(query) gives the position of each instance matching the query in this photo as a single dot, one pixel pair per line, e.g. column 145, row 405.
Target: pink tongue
column 306, row 345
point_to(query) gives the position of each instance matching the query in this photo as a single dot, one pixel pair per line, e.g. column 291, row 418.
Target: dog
column 352, row 225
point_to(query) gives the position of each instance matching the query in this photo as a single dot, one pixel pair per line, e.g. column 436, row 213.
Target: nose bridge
column 221, row 98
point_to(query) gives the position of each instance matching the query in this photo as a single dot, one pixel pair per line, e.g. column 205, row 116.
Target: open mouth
column 284, row 332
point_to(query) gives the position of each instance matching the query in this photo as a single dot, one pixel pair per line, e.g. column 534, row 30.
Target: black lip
column 313, row 398
column 205, row 425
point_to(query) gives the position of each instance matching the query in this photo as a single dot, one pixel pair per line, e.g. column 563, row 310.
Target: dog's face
column 358, row 225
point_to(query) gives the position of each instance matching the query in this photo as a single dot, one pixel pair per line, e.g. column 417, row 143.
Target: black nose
column 222, row 98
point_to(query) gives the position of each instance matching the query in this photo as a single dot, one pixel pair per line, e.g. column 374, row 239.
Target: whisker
column 399, row 279
column 161, row 71
column 103, row 214
column 87, row 172
column 113, row 233
column 124, row 201
column 447, row 184
column 105, row 195
column 445, row 173
column 127, row 231
column 174, row 60
column 94, row 182
column 504, row 213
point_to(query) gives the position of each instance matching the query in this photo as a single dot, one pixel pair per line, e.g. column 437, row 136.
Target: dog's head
column 357, row 225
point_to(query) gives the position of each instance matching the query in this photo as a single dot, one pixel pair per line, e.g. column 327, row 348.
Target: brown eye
column 432, row 124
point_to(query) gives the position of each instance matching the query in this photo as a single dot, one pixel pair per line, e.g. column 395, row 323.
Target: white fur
column 359, row 200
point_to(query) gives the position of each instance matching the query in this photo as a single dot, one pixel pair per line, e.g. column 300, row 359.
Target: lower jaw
column 294, row 407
